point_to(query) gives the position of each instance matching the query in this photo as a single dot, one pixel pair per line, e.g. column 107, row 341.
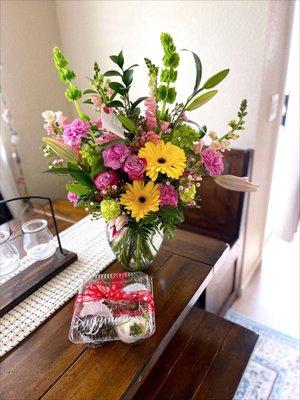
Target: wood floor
column 272, row 297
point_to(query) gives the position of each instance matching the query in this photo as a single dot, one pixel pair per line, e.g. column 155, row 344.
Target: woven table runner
column 87, row 239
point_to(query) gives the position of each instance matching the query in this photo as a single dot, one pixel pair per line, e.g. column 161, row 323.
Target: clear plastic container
column 38, row 240
column 9, row 255
column 114, row 307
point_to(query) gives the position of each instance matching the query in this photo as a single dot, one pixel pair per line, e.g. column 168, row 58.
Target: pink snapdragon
column 115, row 155
column 106, row 179
column 96, row 100
column 73, row 198
column 62, row 121
column 151, row 108
column 198, row 146
column 152, row 137
column 135, row 167
column 75, row 131
column 49, row 128
column 212, row 161
column 168, row 195
column 164, row 126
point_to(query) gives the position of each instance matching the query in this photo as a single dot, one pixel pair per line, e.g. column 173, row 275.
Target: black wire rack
column 28, row 198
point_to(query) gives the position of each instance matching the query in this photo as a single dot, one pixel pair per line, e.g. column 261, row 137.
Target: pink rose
column 168, row 195
column 212, row 161
column 135, row 167
column 106, row 179
column 115, row 155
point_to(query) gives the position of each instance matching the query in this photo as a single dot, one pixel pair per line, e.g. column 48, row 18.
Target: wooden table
column 46, row 365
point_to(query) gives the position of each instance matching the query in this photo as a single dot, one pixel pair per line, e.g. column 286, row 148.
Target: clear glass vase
column 135, row 247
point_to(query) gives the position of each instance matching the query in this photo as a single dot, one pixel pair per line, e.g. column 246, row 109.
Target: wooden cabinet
column 223, row 216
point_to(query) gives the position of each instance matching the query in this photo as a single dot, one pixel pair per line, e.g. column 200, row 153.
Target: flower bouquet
column 138, row 163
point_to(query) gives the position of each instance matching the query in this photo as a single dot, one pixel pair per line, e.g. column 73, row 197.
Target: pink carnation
column 115, row 155
column 168, row 195
column 135, row 167
column 212, row 161
column 105, row 180
column 73, row 198
column 75, row 131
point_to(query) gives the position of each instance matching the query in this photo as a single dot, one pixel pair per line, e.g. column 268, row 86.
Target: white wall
column 29, row 31
column 223, row 33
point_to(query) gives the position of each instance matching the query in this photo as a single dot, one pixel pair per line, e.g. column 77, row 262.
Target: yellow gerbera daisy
column 163, row 157
column 140, row 198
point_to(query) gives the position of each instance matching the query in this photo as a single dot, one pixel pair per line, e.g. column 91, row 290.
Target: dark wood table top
column 46, row 365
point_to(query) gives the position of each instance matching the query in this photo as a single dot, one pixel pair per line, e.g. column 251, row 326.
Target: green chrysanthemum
column 184, row 136
column 189, row 195
column 110, row 209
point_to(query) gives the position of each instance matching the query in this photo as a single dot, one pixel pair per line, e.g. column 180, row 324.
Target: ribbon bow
column 114, row 291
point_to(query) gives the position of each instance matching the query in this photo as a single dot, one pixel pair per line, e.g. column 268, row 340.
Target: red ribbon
column 114, row 291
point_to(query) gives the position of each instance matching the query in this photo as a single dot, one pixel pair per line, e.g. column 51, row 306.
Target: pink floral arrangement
column 141, row 162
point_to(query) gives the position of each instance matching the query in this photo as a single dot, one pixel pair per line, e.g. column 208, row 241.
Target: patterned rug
column 273, row 370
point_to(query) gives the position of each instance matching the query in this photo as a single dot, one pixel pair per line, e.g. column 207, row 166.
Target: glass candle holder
column 9, row 255
column 38, row 240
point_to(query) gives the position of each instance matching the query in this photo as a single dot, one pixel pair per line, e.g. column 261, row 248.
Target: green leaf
column 198, row 66
column 216, row 79
column 132, row 66
column 127, row 123
column 115, row 103
column 120, row 59
column 203, row 131
column 137, row 102
column 200, row 100
column 118, row 87
column 114, row 59
column 112, row 72
column 88, row 101
column 79, row 175
column 128, row 77
column 90, row 91
column 97, row 167
column 76, row 188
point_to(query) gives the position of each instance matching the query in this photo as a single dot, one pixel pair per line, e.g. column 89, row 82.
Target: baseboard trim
column 252, row 272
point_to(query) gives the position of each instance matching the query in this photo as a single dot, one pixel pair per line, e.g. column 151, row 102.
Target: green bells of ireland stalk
column 66, row 75
column 167, row 93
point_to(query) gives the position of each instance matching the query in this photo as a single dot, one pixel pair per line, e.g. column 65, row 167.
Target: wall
column 249, row 37
column 29, row 31
column 273, row 81
column 224, row 34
